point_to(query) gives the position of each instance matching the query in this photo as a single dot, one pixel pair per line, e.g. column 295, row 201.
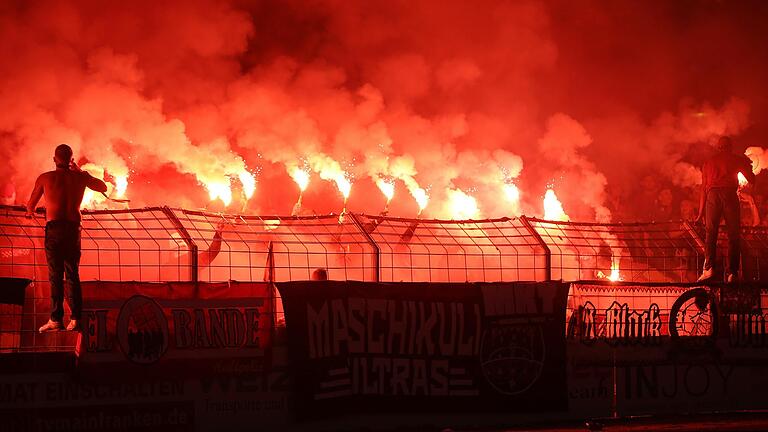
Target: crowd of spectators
column 658, row 201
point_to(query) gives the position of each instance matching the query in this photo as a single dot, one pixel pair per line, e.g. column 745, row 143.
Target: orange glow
column 249, row 183
column 742, row 180
column 421, row 197
column 553, row 209
column 271, row 224
column 615, row 275
column 90, row 198
column 121, row 186
column 301, row 177
column 512, row 192
column 220, row 191
column 462, row 206
column 345, row 187
column 331, row 170
column 387, row 188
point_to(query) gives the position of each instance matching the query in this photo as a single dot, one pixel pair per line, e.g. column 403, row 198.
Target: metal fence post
column 543, row 244
column 695, row 236
column 187, row 239
column 376, row 250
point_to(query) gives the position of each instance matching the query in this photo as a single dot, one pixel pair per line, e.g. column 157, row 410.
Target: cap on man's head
column 63, row 152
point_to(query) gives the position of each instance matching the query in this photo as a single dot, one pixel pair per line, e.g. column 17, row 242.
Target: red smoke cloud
column 454, row 100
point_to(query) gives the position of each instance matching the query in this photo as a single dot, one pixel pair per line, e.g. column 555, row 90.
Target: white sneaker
column 73, row 325
column 50, row 326
column 706, row 274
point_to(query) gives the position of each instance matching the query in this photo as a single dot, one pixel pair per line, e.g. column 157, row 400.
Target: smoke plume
column 470, row 110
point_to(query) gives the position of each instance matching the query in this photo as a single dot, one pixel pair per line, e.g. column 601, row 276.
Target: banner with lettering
column 156, row 356
column 424, row 347
column 637, row 349
column 143, row 323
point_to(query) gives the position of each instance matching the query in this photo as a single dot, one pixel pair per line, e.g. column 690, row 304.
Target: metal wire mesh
column 160, row 244
column 126, row 245
column 417, row 250
column 647, row 252
column 300, row 245
column 754, row 250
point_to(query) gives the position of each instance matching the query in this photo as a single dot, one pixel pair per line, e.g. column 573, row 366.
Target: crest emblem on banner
column 142, row 330
column 512, row 356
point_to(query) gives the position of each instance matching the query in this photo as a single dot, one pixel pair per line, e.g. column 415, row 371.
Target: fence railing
column 160, row 244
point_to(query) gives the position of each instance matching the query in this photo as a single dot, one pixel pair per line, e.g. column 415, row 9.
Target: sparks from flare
column 553, row 209
column 512, row 192
column 387, row 187
column 301, row 178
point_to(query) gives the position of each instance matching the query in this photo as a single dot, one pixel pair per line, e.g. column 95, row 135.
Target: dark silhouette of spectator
column 719, row 200
column 688, row 210
column 320, row 274
column 649, row 193
column 63, row 190
column 664, row 210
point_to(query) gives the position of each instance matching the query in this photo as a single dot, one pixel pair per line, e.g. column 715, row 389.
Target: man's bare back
column 63, row 190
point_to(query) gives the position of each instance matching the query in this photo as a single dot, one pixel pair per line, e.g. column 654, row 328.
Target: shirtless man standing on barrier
column 63, row 190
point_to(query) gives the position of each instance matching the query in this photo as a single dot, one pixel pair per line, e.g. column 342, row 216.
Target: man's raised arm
column 95, row 184
column 747, row 172
column 91, row 182
column 34, row 197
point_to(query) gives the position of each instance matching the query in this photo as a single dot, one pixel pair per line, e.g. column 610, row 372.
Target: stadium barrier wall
column 199, row 356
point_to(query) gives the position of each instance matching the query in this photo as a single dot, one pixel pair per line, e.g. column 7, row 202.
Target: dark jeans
column 723, row 202
column 62, row 250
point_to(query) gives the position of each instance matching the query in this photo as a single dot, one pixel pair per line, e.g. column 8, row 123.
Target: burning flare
column 344, row 185
column 512, row 193
column 742, row 180
column 331, row 170
column 219, row 190
column 248, row 181
column 121, row 186
column 387, row 187
column 421, row 197
column 462, row 206
column 615, row 275
column 553, row 209
column 301, row 178
column 91, row 198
